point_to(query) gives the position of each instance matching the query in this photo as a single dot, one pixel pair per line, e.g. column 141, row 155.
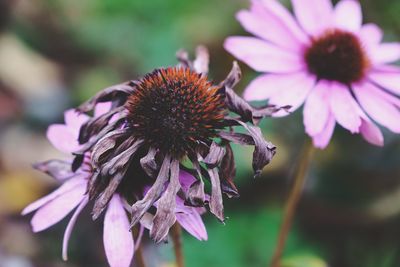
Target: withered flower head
column 173, row 118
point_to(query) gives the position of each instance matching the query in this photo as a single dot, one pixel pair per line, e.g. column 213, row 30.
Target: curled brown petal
column 59, row 169
column 104, row 198
column 263, row 150
column 149, row 163
column 237, row 138
column 196, row 195
column 112, row 93
column 165, row 215
column 105, row 144
column 110, row 127
column 141, row 206
column 227, row 173
column 121, row 157
column 215, row 155
column 94, row 125
column 216, row 205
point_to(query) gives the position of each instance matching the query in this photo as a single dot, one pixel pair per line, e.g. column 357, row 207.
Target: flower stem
column 293, row 200
column 176, row 234
column 139, row 260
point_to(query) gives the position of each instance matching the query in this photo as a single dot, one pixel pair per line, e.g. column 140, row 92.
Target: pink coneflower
column 145, row 157
column 72, row 194
column 326, row 59
column 172, row 119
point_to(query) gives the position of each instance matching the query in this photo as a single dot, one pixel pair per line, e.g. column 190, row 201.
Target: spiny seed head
column 175, row 109
column 337, row 56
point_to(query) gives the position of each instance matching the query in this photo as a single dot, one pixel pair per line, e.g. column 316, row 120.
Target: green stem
column 293, row 200
column 176, row 234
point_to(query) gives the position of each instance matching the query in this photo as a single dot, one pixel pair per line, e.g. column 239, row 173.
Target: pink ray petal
column 55, row 210
column 70, row 227
column 344, row 107
column 292, row 93
column 282, row 13
column 370, row 34
column 63, row 138
column 377, row 107
column 69, row 185
column 266, row 85
column 259, row 18
column 316, row 109
column 388, row 79
column 118, row 241
column 263, row 56
column 348, row 15
column 193, row 224
column 74, row 119
column 385, row 53
column 102, row 108
column 322, row 139
column 313, row 15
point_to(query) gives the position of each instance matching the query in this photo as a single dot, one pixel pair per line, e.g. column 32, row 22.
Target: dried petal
column 95, row 124
column 141, row 206
column 165, row 215
column 227, row 173
column 200, row 64
column 263, row 151
column 195, row 195
column 149, row 163
column 216, row 205
column 113, row 93
column 105, row 144
column 237, row 138
column 59, row 169
column 215, row 155
column 121, row 156
column 183, row 58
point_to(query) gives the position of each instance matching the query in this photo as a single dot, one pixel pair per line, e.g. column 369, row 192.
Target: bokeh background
column 54, row 54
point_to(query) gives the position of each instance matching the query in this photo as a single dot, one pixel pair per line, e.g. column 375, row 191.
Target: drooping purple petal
column 66, row 187
column 193, row 224
column 55, row 210
column 344, row 107
column 389, row 80
column 58, row 169
column 316, row 109
column 379, row 109
column 385, row 53
column 321, row 140
column 118, row 240
column 63, row 138
column 70, row 227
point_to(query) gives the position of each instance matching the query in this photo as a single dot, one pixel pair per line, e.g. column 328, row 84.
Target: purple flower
column 326, row 59
column 148, row 150
column 170, row 120
column 72, row 194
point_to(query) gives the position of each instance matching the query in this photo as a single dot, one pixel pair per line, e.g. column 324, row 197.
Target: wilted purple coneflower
column 148, row 153
column 118, row 241
column 325, row 58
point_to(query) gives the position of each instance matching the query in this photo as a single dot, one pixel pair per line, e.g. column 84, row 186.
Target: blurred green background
column 54, row 54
